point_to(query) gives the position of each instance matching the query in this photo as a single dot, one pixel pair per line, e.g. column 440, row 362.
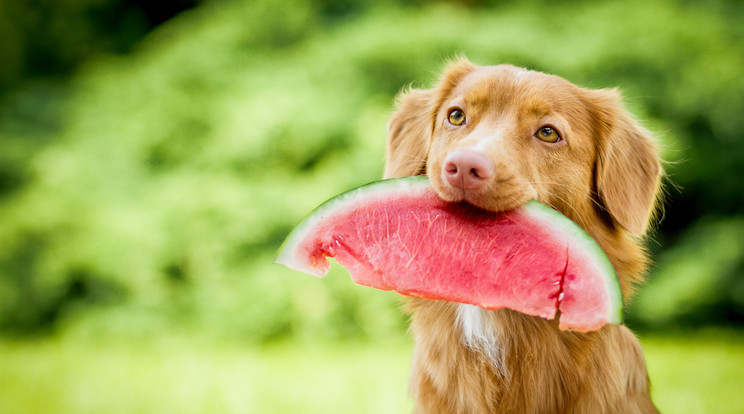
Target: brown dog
column 497, row 137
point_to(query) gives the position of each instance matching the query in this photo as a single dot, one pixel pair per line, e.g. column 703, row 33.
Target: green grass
column 700, row 373
column 58, row 377
column 690, row 374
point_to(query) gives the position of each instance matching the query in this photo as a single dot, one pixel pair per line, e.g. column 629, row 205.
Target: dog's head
column 499, row 136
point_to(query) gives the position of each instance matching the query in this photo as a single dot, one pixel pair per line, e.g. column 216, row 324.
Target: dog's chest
column 481, row 333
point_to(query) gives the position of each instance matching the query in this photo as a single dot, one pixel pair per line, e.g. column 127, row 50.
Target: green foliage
column 159, row 194
column 43, row 39
column 698, row 281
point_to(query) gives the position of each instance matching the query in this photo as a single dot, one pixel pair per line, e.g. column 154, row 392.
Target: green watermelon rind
column 286, row 255
column 289, row 256
column 602, row 263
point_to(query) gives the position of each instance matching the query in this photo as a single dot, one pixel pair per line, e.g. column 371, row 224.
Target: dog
column 496, row 137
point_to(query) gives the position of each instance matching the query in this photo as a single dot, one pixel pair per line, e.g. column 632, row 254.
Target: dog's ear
column 628, row 171
column 411, row 127
column 409, row 133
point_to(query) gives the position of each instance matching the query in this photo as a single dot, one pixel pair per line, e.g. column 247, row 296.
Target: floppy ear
column 409, row 133
column 628, row 171
column 410, row 130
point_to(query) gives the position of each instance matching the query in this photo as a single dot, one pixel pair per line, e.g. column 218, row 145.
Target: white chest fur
column 480, row 332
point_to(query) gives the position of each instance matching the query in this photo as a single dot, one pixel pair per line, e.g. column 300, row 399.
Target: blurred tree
column 43, row 43
column 43, row 39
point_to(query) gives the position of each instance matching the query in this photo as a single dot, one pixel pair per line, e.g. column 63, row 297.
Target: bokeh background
column 153, row 155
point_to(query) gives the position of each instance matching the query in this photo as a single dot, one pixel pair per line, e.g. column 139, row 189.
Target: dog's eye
column 548, row 134
column 456, row 117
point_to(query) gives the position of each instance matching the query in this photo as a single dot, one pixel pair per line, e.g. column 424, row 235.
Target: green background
column 153, row 159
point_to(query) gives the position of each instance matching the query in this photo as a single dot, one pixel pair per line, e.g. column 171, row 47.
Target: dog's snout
column 467, row 169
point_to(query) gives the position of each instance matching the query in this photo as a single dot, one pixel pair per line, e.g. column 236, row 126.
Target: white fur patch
column 480, row 333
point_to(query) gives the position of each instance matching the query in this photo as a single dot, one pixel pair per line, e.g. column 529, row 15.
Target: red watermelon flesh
column 399, row 235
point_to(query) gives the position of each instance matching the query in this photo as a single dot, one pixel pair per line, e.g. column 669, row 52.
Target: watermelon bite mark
column 399, row 235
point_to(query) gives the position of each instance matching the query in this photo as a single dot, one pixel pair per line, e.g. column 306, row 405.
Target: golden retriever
column 496, row 137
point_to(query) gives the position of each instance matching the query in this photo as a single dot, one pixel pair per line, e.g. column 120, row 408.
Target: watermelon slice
column 399, row 235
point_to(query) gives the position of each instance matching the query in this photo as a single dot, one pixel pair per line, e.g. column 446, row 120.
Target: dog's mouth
column 470, row 176
column 493, row 204
column 496, row 196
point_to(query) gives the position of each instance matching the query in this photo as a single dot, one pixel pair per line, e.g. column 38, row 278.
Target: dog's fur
column 604, row 174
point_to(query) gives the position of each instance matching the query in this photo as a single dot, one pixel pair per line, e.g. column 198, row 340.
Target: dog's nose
column 467, row 169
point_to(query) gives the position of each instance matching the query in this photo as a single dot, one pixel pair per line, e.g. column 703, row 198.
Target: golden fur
column 603, row 173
